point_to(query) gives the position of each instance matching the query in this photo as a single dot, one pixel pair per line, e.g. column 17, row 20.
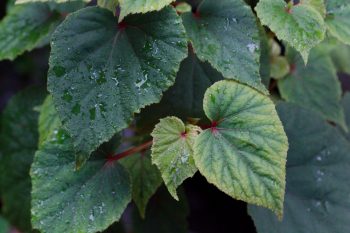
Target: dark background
column 211, row 211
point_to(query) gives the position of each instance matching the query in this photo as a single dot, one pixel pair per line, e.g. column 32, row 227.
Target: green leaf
column 49, row 121
column 346, row 107
column 164, row 215
column 300, row 25
column 244, row 152
column 315, row 86
column 101, row 73
column 19, row 140
column 108, row 4
column 64, row 200
column 49, row 1
column 172, row 151
column 265, row 66
column 185, row 98
column 319, row 5
column 279, row 67
column 341, row 57
column 337, row 20
column 4, row 225
column 318, row 187
column 227, row 36
column 145, row 179
column 24, row 28
column 140, row 6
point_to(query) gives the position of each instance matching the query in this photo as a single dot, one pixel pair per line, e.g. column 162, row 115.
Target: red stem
column 130, row 151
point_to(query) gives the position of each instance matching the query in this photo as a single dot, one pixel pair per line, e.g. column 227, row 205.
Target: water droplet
column 252, row 47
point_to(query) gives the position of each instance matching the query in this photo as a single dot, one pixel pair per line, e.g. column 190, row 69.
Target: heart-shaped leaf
column 64, row 200
column 172, row 151
column 301, row 25
column 318, row 170
column 101, row 73
column 227, row 36
column 244, row 152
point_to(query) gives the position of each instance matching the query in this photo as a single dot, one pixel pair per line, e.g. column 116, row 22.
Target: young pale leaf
column 227, row 36
column 315, row 86
column 318, row 170
column 185, row 98
column 19, row 140
column 300, row 25
column 49, row 1
column 24, row 28
column 279, row 67
column 145, row 179
column 244, row 152
column 319, row 5
column 64, row 200
column 49, row 121
column 172, row 151
column 140, row 6
column 338, row 19
column 101, row 73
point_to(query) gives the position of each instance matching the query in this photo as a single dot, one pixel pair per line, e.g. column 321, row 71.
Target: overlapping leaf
column 227, row 36
column 300, row 25
column 185, row 98
column 140, row 6
column 24, row 28
column 49, row 121
column 101, row 72
column 315, row 86
column 341, row 57
column 346, row 107
column 145, row 179
column 337, row 20
column 172, row 151
column 244, row 152
column 64, row 200
column 108, row 4
column 318, row 170
column 19, row 140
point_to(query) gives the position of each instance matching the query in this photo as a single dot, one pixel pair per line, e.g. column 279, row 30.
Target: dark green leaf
column 145, row 179
column 315, row 86
column 244, row 152
column 318, row 170
column 227, row 36
column 19, row 140
column 101, row 73
column 64, row 200
column 24, row 28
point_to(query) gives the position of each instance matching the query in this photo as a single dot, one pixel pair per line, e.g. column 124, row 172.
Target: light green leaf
column 185, row 98
column 319, row 5
column 140, row 6
column 338, row 19
column 172, row 151
column 19, row 140
column 108, row 4
column 318, row 170
column 227, row 36
column 300, row 25
column 244, row 152
column 279, row 67
column 101, row 73
column 315, row 86
column 49, row 121
column 145, row 179
column 346, row 107
column 64, row 200
column 183, row 7
column 24, row 27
